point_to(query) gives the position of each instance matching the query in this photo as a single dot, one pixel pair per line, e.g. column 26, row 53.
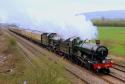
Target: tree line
column 109, row 22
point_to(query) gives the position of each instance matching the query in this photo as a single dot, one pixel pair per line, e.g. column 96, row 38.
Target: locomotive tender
column 93, row 56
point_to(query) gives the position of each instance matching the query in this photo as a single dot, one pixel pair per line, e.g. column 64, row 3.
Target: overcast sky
column 84, row 5
column 18, row 7
column 50, row 15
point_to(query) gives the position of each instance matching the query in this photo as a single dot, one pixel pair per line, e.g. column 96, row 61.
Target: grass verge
column 44, row 72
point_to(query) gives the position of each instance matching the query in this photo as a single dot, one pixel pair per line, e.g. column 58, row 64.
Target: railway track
column 110, row 78
column 119, row 78
column 32, row 48
column 119, row 67
column 118, row 71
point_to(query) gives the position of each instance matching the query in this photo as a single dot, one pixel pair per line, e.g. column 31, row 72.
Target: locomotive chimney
column 97, row 42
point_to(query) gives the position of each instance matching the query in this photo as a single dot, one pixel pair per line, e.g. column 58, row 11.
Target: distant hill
column 114, row 14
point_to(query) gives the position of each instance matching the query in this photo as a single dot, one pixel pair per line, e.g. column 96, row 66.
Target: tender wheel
column 106, row 71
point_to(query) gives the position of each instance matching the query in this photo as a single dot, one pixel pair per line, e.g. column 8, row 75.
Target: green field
column 114, row 39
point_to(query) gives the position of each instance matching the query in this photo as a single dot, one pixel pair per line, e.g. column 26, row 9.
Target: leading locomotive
column 94, row 56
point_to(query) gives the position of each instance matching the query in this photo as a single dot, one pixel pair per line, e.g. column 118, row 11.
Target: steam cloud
column 61, row 17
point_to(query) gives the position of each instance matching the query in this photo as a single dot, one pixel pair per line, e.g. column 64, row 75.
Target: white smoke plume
column 61, row 17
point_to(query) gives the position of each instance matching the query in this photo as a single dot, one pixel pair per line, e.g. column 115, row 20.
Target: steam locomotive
column 93, row 56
